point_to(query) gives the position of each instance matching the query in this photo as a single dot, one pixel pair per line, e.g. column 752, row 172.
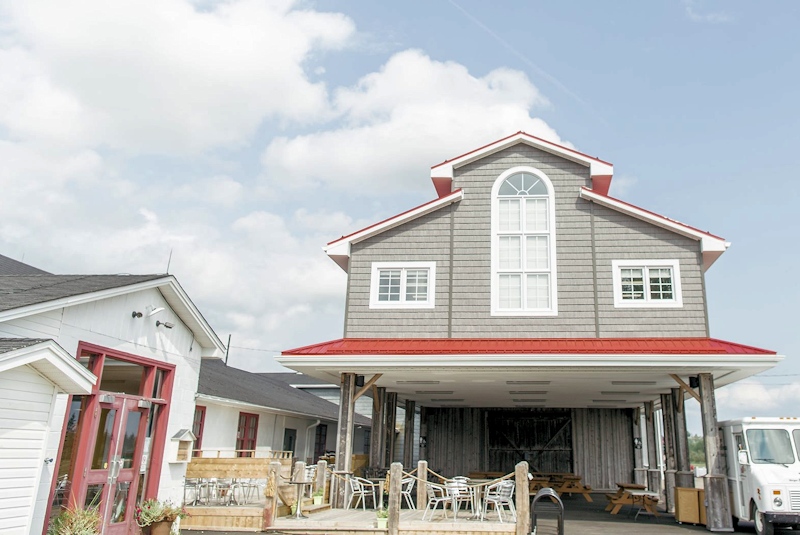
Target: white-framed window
column 523, row 244
column 402, row 285
column 647, row 283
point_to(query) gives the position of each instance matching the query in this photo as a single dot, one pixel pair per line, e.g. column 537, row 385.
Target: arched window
column 523, row 244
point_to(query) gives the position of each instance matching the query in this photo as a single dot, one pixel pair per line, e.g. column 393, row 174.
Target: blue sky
column 241, row 136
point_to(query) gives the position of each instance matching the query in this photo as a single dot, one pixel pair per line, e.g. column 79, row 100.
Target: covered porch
column 595, row 408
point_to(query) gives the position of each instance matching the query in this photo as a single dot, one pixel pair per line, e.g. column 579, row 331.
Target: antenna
column 169, row 261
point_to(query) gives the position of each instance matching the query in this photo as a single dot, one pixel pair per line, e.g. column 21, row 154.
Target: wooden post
column 408, row 438
column 422, row 494
column 395, row 484
column 322, row 472
column 684, row 476
column 391, row 423
column 271, row 495
column 377, row 451
column 669, row 450
column 718, row 505
column 344, row 439
column 523, row 499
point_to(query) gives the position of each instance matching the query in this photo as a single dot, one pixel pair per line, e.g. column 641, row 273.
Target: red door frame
column 87, row 433
column 241, row 439
column 198, row 424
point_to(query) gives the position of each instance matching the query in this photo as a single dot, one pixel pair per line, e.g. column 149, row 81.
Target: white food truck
column 764, row 471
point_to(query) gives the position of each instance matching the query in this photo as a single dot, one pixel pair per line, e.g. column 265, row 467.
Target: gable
column 28, row 295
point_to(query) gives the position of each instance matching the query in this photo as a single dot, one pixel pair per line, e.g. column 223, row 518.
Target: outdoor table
column 571, row 484
column 538, row 482
column 621, row 488
column 635, row 497
column 381, row 481
column 298, row 512
column 477, row 490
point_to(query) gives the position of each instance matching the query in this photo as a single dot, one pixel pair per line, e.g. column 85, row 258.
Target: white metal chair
column 459, row 492
column 436, row 495
column 406, row 486
column 500, row 495
column 360, row 489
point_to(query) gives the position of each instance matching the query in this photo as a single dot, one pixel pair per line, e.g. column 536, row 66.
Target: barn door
column 543, row 437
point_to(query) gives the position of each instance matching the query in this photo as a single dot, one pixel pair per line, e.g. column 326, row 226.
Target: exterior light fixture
column 166, row 324
column 136, row 314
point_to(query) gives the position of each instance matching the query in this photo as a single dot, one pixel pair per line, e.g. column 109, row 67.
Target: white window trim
column 495, row 261
column 676, row 302
column 375, row 278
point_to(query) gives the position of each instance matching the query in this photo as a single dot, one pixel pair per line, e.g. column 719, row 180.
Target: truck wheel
column 762, row 526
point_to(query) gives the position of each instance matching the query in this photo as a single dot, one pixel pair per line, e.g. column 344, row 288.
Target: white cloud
column 399, row 121
column 755, row 398
column 219, row 189
column 695, row 15
column 161, row 76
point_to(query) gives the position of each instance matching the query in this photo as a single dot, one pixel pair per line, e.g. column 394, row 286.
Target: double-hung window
column 647, row 283
column 402, row 285
column 523, row 245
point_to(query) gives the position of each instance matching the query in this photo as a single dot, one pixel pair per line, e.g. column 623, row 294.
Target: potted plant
column 156, row 517
column 382, row 518
column 318, row 495
column 76, row 521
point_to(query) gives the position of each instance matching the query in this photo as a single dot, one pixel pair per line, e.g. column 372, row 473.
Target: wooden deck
column 351, row 521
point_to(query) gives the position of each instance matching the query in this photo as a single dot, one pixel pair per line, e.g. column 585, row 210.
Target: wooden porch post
column 639, row 471
column 344, row 439
column 669, row 450
column 395, row 482
column 422, row 494
column 653, row 473
column 523, row 499
column 271, row 494
column 391, row 423
column 377, row 451
column 408, row 439
column 718, row 508
column 684, row 476
column 322, row 473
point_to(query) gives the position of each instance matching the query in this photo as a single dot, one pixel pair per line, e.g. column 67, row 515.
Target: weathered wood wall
column 594, row 443
column 603, row 446
column 456, row 440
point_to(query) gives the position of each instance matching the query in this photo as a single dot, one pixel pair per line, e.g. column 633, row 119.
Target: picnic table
column 572, row 484
column 634, row 495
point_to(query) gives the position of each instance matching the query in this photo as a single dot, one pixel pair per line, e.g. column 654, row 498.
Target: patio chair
column 194, row 488
column 459, row 492
column 500, row 495
column 406, row 486
column 436, row 495
column 360, row 489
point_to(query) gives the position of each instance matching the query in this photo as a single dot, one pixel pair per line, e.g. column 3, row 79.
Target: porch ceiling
column 532, row 380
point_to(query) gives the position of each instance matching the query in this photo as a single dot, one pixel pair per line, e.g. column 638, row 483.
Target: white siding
column 26, row 403
column 108, row 323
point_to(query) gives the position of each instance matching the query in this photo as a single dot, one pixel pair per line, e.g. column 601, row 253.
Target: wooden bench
column 572, row 484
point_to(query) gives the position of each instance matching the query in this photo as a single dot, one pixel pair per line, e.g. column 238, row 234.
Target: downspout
column 315, row 424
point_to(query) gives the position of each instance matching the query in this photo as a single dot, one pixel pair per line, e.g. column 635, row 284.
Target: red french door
column 113, row 440
column 112, row 475
column 246, row 434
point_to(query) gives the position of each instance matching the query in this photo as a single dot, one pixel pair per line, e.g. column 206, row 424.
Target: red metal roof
column 495, row 346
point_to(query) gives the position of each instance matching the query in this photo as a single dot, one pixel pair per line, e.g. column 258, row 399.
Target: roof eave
column 339, row 250
column 595, row 165
column 711, row 246
column 53, row 362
